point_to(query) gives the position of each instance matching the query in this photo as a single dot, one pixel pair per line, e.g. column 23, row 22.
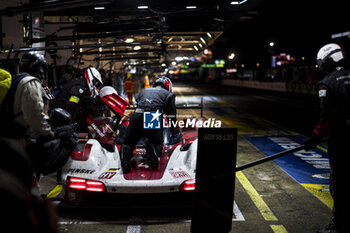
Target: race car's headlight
column 188, row 185
column 84, row 184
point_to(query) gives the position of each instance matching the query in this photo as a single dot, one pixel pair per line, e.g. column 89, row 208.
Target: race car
column 94, row 175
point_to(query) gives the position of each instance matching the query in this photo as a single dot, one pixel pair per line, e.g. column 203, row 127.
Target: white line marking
column 238, row 214
column 133, row 229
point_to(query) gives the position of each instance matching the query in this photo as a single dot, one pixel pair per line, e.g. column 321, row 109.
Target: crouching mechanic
column 78, row 96
column 334, row 97
column 158, row 99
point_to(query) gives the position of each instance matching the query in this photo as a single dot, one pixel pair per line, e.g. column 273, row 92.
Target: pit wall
column 291, row 87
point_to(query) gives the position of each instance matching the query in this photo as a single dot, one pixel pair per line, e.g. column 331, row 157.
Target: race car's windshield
column 169, row 138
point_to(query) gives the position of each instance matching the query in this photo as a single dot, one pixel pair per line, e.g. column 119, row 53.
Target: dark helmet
column 60, row 117
column 164, row 82
column 34, row 64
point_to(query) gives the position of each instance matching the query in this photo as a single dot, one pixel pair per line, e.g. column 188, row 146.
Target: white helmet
column 328, row 56
column 107, row 90
column 94, row 80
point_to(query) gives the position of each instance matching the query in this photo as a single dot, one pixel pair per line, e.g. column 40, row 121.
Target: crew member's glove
column 312, row 142
column 88, row 102
column 65, row 131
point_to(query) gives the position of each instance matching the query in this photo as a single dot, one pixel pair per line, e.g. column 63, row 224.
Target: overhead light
column 195, row 47
column 163, row 65
column 99, row 7
column 202, row 39
column 232, row 55
column 209, row 35
column 191, row 7
column 129, row 40
column 142, row 7
column 238, row 2
column 137, row 47
column 272, row 44
column 178, row 59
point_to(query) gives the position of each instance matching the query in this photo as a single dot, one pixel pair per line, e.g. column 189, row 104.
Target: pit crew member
column 334, row 97
column 158, row 99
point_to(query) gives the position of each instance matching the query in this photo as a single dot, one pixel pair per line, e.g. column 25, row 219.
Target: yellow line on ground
column 55, row 192
column 278, row 228
column 323, row 149
column 256, row 198
column 322, row 192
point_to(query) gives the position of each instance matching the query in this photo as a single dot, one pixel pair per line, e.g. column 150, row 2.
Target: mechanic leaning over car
column 157, row 98
column 334, row 97
column 79, row 96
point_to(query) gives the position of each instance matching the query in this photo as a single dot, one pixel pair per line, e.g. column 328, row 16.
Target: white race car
column 94, row 175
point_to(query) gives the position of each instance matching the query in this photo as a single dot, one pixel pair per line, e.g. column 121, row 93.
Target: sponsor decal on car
column 109, row 174
column 179, row 174
column 78, row 170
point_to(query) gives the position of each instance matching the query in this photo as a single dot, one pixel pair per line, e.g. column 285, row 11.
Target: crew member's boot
column 152, row 157
column 125, row 153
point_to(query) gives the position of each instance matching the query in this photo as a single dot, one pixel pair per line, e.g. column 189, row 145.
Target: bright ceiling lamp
column 137, row 47
column 191, row 7
column 238, row 2
column 142, row 7
column 129, row 40
column 178, row 59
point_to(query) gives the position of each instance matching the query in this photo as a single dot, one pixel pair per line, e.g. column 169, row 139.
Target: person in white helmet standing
column 334, row 97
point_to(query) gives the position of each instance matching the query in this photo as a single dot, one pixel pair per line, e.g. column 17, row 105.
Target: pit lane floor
column 267, row 199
